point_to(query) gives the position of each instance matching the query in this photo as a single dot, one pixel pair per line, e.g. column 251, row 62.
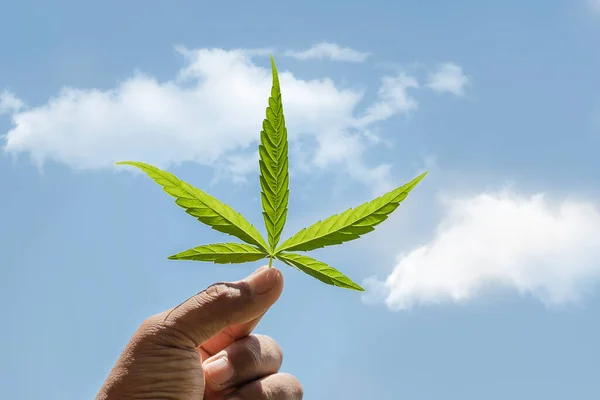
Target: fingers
column 273, row 387
column 246, row 360
column 221, row 305
column 227, row 337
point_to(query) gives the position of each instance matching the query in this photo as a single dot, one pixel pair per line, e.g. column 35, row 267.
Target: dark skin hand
column 204, row 349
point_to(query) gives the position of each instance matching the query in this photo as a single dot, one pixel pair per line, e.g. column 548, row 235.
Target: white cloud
column 329, row 51
column 548, row 250
column 207, row 114
column 448, row 77
column 393, row 99
column 9, row 103
column 237, row 167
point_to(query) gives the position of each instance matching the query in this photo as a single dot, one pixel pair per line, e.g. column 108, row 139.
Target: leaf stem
column 271, row 262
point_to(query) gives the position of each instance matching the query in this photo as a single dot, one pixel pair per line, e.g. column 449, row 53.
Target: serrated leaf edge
column 237, row 249
column 273, row 164
column 181, row 184
column 338, row 281
column 290, row 245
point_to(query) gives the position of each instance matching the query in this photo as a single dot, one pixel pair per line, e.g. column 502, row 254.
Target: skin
column 204, row 349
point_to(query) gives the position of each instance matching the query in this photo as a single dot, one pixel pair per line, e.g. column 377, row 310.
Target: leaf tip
column 274, row 71
column 356, row 287
column 419, row 178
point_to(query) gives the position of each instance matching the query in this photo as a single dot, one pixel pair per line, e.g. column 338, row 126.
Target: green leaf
column 221, row 253
column 350, row 224
column 204, row 207
column 319, row 270
column 274, row 182
column 274, row 177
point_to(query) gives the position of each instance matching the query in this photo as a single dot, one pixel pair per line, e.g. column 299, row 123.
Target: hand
column 203, row 349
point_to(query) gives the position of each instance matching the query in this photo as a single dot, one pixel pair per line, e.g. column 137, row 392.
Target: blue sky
column 483, row 284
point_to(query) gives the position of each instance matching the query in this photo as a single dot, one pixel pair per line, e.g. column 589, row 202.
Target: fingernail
column 262, row 280
column 219, row 371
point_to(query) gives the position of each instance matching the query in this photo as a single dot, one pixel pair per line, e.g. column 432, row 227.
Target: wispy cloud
column 394, row 98
column 329, row 51
column 448, row 77
column 9, row 103
column 550, row 250
column 206, row 114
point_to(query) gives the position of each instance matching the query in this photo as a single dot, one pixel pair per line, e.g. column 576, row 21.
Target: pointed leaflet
column 221, row 253
column 319, row 270
column 350, row 224
column 274, row 178
column 204, row 207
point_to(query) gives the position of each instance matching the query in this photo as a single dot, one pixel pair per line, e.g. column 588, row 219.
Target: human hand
column 204, row 349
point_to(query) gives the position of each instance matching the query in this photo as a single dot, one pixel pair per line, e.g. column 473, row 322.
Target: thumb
column 207, row 313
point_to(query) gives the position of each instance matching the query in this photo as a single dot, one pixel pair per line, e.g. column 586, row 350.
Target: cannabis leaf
column 222, row 253
column 274, row 178
column 274, row 183
column 319, row 270
column 350, row 224
column 204, row 207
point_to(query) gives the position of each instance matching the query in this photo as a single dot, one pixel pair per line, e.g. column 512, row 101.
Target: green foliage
column 318, row 269
column 274, row 177
column 203, row 206
column 350, row 224
column 222, row 253
column 274, row 182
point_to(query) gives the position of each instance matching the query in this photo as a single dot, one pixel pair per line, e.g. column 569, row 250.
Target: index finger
column 226, row 337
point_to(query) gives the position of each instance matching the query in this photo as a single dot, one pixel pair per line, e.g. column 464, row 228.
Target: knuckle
column 219, row 292
column 226, row 293
column 222, row 298
column 229, row 298
column 271, row 349
column 151, row 325
column 294, row 388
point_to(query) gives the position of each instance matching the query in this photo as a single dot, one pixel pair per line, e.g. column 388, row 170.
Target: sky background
column 484, row 282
